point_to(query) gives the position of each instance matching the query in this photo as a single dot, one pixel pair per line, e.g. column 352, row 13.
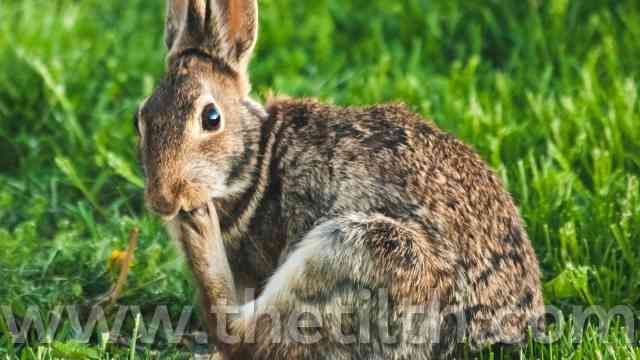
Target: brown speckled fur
column 349, row 198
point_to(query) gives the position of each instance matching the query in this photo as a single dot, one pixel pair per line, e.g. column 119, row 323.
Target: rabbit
column 313, row 231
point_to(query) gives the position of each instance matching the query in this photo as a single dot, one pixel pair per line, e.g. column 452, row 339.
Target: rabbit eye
column 211, row 118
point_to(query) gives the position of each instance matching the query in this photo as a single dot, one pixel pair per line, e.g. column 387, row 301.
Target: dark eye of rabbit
column 211, row 118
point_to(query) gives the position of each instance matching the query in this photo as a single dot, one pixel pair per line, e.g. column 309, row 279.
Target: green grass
column 546, row 91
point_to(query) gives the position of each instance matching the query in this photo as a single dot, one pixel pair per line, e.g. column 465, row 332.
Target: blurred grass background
column 546, row 91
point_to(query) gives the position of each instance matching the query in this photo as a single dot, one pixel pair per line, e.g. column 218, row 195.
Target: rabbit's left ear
column 184, row 26
column 226, row 29
column 237, row 26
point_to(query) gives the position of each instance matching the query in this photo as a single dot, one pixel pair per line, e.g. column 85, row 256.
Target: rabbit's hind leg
column 342, row 293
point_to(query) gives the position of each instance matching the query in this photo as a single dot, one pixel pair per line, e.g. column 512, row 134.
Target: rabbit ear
column 226, row 29
column 184, row 27
column 175, row 15
column 238, row 28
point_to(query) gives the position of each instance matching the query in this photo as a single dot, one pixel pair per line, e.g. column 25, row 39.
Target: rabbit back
column 414, row 212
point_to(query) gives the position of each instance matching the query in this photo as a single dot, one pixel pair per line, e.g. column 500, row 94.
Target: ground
column 546, row 91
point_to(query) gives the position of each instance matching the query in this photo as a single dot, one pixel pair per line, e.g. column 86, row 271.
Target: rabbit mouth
column 193, row 219
column 197, row 212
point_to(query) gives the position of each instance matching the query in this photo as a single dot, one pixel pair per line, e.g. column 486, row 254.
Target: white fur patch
column 316, row 244
column 201, row 171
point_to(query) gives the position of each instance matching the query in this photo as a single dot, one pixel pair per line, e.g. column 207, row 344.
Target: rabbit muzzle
column 172, row 200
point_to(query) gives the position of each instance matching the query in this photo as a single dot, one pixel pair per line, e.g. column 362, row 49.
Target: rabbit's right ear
column 184, row 25
column 175, row 15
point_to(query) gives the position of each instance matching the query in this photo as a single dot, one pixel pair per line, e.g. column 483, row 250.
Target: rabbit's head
column 193, row 127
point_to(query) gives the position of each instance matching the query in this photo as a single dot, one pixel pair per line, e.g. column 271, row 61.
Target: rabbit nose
column 164, row 208
column 164, row 201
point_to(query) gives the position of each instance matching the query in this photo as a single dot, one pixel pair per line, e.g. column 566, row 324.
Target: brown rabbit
column 347, row 222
